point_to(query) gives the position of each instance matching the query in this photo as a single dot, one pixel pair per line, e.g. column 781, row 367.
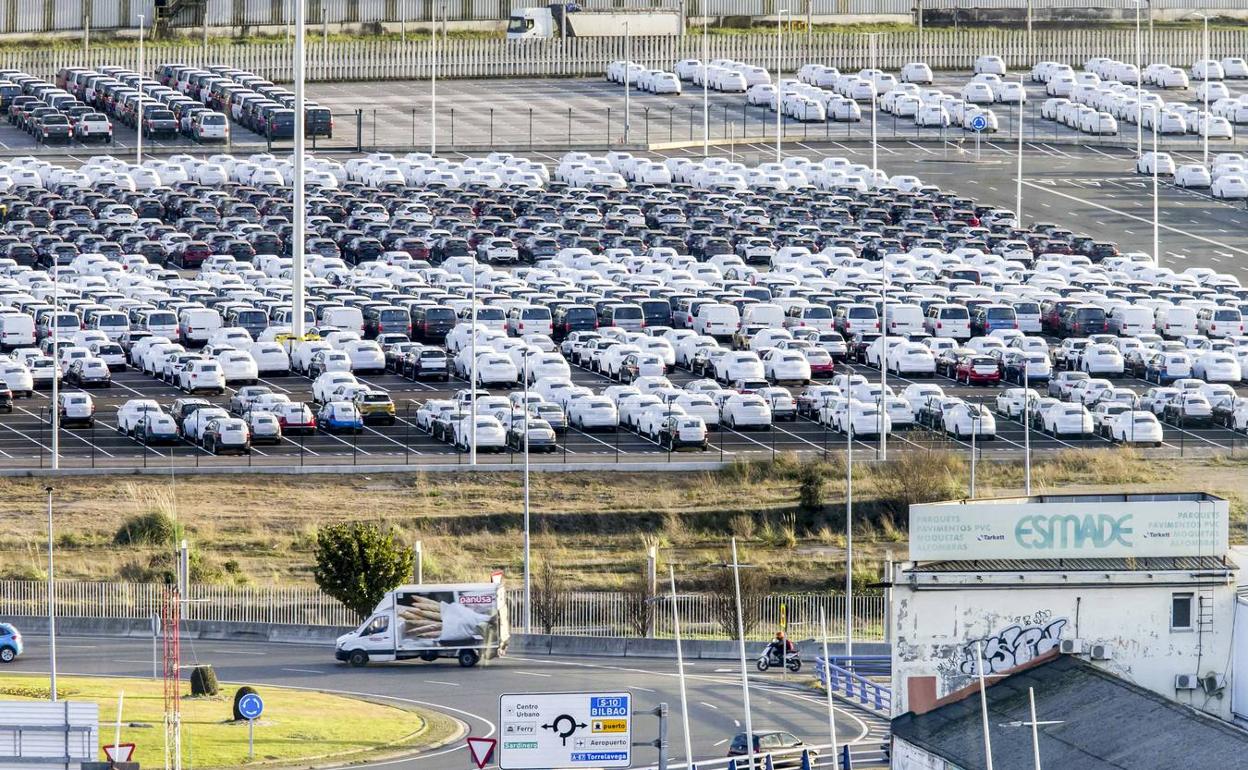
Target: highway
column 471, row 695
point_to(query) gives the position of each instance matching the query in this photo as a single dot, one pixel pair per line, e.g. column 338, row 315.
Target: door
column 377, row 636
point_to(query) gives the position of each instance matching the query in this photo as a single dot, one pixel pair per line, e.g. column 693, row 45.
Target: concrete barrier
column 521, row 645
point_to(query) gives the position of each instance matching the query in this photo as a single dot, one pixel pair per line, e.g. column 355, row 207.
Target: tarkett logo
column 1071, row 531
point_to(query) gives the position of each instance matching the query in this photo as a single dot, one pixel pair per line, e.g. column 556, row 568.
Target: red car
column 821, row 363
column 978, row 370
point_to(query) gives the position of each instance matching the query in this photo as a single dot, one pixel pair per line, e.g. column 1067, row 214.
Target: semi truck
column 465, row 621
column 570, row 20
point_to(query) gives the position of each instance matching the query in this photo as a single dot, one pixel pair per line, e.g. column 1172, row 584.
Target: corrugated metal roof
column 1106, row 723
column 1149, row 564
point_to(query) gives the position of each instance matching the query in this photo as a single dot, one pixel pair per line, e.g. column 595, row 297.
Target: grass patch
column 298, row 727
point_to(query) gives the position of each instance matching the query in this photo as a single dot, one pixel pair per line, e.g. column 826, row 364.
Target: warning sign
column 609, row 726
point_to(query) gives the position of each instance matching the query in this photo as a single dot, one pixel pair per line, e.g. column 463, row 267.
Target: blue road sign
column 979, row 123
column 250, row 706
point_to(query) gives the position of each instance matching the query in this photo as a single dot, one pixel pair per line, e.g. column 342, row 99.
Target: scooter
column 793, row 660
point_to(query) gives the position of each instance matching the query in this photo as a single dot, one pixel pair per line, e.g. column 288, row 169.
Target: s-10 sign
column 959, row 531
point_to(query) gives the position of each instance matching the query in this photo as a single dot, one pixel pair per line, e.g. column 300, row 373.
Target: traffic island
column 297, row 727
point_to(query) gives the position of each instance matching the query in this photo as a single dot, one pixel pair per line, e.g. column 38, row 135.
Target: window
column 1181, row 612
column 377, row 626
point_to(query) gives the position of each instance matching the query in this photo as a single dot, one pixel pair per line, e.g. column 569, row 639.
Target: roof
column 1107, row 723
column 1142, row 564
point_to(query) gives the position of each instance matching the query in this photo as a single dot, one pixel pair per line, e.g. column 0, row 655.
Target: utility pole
column 299, row 230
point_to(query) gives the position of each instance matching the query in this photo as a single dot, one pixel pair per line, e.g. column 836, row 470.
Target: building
column 1141, row 587
column 1087, row 719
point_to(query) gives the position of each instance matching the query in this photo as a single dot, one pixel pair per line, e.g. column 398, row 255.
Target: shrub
column 204, row 681
column 154, row 528
column 754, row 587
column 910, row 478
column 238, row 696
column 810, row 487
column 357, row 563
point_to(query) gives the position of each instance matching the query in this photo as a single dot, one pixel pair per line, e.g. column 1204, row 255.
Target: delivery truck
column 570, row 20
column 465, row 621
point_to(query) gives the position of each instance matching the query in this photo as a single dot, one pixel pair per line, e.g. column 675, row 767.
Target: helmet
column 779, row 634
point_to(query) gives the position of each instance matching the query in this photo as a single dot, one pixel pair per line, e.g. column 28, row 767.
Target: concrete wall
column 939, row 628
column 521, row 644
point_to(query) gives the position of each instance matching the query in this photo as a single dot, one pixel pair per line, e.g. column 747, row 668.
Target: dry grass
column 591, row 525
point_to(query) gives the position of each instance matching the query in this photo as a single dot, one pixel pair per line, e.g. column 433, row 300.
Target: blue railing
column 854, row 687
column 864, row 665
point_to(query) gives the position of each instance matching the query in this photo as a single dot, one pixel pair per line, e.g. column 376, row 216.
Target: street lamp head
column 48, row 490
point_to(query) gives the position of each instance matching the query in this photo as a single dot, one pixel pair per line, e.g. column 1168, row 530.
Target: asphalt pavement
column 472, row 695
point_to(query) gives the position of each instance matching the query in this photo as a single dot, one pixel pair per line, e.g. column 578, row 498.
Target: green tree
column 357, row 563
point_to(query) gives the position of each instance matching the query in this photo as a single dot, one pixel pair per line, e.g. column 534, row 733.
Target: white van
column 1130, row 320
column 17, row 330
column 196, row 325
column 161, row 323
column 717, row 320
column 1173, row 321
column 949, row 321
column 904, row 319
column 764, row 314
column 348, row 318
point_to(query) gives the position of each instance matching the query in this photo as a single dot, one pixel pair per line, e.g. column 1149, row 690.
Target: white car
column 324, row 386
column 1103, row 360
column 1136, row 427
column 200, row 376
column 1192, row 175
column 910, row 359
column 133, row 412
column 745, row 410
column 495, row 369
column 1160, row 163
column 978, row 92
column 1230, row 186
column 917, row 72
column 964, row 420
column 593, row 413
column 1214, row 366
column 1098, row 123
column 271, row 358
column 366, row 356
column 1069, row 420
column 781, row 366
column 989, row 65
column 237, row 367
column 1012, row 402
column 488, row 435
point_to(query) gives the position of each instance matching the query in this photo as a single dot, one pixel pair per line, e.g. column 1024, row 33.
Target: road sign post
column 481, row 750
column 250, row 707
column 978, row 124
column 565, row 730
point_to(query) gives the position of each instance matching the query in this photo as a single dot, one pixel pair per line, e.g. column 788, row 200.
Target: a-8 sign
column 561, row 730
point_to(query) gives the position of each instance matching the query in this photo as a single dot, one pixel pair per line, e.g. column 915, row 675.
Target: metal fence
column 395, row 60
column 582, row 613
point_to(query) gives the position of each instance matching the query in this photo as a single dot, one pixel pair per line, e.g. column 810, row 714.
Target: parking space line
column 71, row 434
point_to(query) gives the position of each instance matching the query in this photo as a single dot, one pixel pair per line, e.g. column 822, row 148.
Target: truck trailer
column 465, row 621
column 570, row 20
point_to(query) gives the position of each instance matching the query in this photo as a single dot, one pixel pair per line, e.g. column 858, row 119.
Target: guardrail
column 810, row 757
column 854, row 687
column 573, row 613
column 864, row 665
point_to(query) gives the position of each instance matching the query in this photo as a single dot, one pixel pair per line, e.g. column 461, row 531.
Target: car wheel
column 468, row 658
column 358, row 658
column 7, row 654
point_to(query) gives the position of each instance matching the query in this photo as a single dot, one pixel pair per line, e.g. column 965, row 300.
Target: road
column 471, row 695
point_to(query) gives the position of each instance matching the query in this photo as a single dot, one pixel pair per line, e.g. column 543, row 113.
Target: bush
column 754, row 588
column 204, row 681
column 548, row 596
column 238, row 696
column 810, row 487
column 911, row 478
column 155, row 528
column 357, row 563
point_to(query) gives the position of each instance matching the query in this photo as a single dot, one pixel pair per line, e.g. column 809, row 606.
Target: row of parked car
column 790, row 261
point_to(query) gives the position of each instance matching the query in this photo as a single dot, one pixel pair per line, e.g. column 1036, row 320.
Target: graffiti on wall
column 1027, row 637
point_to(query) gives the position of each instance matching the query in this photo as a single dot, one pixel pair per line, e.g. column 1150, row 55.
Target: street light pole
column 1205, row 73
column 628, row 67
column 1026, row 426
column 875, row 149
column 472, row 385
column 745, row 681
column 1156, row 195
column 882, row 406
column 54, row 414
column 433, row 86
column 680, row 669
column 299, row 231
column 528, row 586
column 849, row 529
column 706, row 104
column 138, row 139
column 51, row 599
column 1018, row 182
column 1139, row 83
column 779, row 88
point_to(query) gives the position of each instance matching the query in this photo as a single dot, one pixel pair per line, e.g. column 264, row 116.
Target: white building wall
column 937, row 629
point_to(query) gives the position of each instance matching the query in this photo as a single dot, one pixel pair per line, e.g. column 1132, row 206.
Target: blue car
column 340, row 416
column 10, row 643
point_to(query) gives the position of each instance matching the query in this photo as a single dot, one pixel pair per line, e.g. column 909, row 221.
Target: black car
column 426, row 363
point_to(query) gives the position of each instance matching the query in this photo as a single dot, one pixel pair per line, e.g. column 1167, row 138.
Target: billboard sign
column 1077, row 529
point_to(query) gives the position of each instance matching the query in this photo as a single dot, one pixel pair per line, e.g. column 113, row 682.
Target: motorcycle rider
column 780, row 647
